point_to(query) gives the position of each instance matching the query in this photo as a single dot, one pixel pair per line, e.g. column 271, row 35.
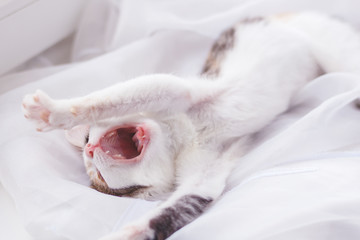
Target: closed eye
column 120, row 192
column 128, row 190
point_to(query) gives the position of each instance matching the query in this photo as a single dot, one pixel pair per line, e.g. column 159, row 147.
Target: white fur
column 199, row 127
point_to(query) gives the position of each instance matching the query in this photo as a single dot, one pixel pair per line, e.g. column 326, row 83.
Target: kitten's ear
column 77, row 135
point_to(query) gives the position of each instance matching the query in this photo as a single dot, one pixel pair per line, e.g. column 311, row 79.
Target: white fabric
column 301, row 181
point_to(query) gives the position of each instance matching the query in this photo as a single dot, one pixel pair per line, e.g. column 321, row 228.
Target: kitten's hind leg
column 152, row 93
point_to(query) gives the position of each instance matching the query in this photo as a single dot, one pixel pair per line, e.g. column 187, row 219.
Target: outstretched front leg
column 195, row 193
column 165, row 221
column 152, row 93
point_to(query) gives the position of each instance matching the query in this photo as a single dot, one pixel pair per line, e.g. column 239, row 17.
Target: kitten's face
column 130, row 158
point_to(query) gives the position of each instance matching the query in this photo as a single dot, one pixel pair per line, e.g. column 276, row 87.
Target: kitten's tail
column 335, row 44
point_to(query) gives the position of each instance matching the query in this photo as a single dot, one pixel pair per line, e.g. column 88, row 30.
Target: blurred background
column 28, row 28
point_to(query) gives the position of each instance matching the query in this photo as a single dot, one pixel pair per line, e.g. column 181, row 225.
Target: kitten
column 162, row 137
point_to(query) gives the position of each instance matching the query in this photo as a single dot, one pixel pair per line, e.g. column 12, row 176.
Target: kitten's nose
column 89, row 150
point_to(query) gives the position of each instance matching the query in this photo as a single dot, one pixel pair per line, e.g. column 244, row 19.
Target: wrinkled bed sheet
column 300, row 181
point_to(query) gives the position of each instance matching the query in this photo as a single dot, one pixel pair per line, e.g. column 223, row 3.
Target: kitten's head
column 133, row 157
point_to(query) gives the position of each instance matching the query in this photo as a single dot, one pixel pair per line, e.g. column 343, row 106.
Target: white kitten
column 165, row 137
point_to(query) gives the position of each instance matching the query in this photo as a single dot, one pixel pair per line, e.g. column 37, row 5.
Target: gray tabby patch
column 175, row 217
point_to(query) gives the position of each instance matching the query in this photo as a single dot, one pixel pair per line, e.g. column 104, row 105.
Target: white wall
column 27, row 27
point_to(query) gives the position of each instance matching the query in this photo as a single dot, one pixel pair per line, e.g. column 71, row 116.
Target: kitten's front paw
column 36, row 108
column 131, row 232
column 40, row 108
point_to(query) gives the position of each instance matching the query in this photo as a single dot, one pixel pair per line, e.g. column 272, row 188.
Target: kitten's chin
column 125, row 143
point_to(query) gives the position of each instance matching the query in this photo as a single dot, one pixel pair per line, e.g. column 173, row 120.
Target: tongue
column 119, row 143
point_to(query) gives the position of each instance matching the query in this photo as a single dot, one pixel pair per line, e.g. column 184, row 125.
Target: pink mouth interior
column 123, row 143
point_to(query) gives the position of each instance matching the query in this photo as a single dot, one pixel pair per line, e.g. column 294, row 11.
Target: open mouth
column 124, row 143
